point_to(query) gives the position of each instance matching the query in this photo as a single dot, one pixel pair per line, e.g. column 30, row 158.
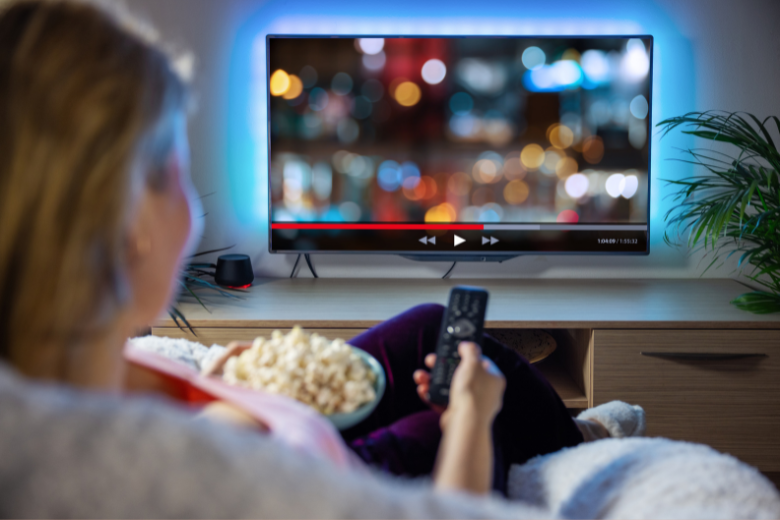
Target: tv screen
column 447, row 146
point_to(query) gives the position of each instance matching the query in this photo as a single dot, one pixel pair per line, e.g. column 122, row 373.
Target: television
column 459, row 148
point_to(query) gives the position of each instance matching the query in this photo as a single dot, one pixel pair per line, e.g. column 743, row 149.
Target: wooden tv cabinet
column 703, row 370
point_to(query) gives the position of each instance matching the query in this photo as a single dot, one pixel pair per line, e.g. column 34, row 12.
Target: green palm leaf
column 734, row 208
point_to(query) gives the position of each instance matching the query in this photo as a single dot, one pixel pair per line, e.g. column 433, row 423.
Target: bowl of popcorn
column 338, row 380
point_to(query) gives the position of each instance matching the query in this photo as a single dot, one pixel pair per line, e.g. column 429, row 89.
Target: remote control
column 463, row 320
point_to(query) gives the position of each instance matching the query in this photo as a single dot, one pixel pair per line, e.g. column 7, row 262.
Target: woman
column 97, row 216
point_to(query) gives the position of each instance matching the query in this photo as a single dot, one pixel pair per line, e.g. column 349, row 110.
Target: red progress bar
column 456, row 227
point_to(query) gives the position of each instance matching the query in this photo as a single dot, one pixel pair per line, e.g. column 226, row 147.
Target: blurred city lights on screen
column 516, row 192
column 280, row 82
column 371, row 46
column 407, row 94
column 635, row 64
column 576, row 185
column 639, row 107
column 532, row 156
column 341, row 84
column 596, row 66
column 374, row 62
column 461, row 103
column 295, row 89
column 373, row 90
column 533, row 58
column 434, row 71
column 593, row 149
column 568, row 216
column 308, row 76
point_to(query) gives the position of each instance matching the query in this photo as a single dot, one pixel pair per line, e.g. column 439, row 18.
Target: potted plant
column 732, row 205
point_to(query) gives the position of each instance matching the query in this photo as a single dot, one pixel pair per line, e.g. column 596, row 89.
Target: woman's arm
column 465, row 458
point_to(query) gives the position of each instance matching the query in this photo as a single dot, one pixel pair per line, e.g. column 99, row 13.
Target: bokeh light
column 434, row 71
column 561, row 136
column 513, row 168
column 568, row 216
column 280, row 82
column 533, row 58
column 308, row 76
column 595, row 65
column 374, row 62
column 630, row 186
column 615, row 184
column 459, row 184
column 576, row 185
column 461, row 103
column 551, row 159
column 341, row 84
column 516, row 192
column 318, row 99
column 636, row 63
column 295, row 89
column 347, row 130
column 373, row 90
column 444, row 212
column 361, row 107
column 389, row 176
column 486, row 171
column 350, row 211
column 371, row 46
column 566, row 166
column 593, row 149
column 639, row 107
column 407, row 94
column 532, row 156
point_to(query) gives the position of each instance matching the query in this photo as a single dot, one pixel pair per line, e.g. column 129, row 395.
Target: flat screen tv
column 459, row 147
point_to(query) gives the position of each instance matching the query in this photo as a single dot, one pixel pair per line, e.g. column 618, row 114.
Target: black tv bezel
column 450, row 256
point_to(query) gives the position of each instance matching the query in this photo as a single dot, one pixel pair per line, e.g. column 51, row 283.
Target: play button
column 458, row 241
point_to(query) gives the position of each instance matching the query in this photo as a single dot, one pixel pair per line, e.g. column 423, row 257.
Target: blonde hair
column 86, row 104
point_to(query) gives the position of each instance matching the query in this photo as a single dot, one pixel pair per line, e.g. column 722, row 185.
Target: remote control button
column 462, row 328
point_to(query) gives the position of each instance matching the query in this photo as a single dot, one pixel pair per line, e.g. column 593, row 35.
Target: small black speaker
column 234, row 271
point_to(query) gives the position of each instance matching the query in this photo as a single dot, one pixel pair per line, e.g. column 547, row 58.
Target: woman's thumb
column 469, row 351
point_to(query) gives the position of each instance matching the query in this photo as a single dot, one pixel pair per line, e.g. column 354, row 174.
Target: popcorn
column 326, row 375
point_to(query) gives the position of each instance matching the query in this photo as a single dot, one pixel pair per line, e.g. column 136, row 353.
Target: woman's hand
column 465, row 458
column 476, row 389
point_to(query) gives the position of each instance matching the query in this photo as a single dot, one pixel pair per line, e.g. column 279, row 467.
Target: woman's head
column 95, row 200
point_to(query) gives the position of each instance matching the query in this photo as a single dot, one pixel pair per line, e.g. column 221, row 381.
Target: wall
column 710, row 54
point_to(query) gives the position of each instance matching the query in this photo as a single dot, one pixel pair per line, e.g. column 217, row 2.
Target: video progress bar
column 463, row 227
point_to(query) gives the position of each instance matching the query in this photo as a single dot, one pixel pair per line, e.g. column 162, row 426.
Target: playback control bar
column 455, row 238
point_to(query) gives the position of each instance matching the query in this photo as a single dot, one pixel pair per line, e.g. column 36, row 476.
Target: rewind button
column 428, row 240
